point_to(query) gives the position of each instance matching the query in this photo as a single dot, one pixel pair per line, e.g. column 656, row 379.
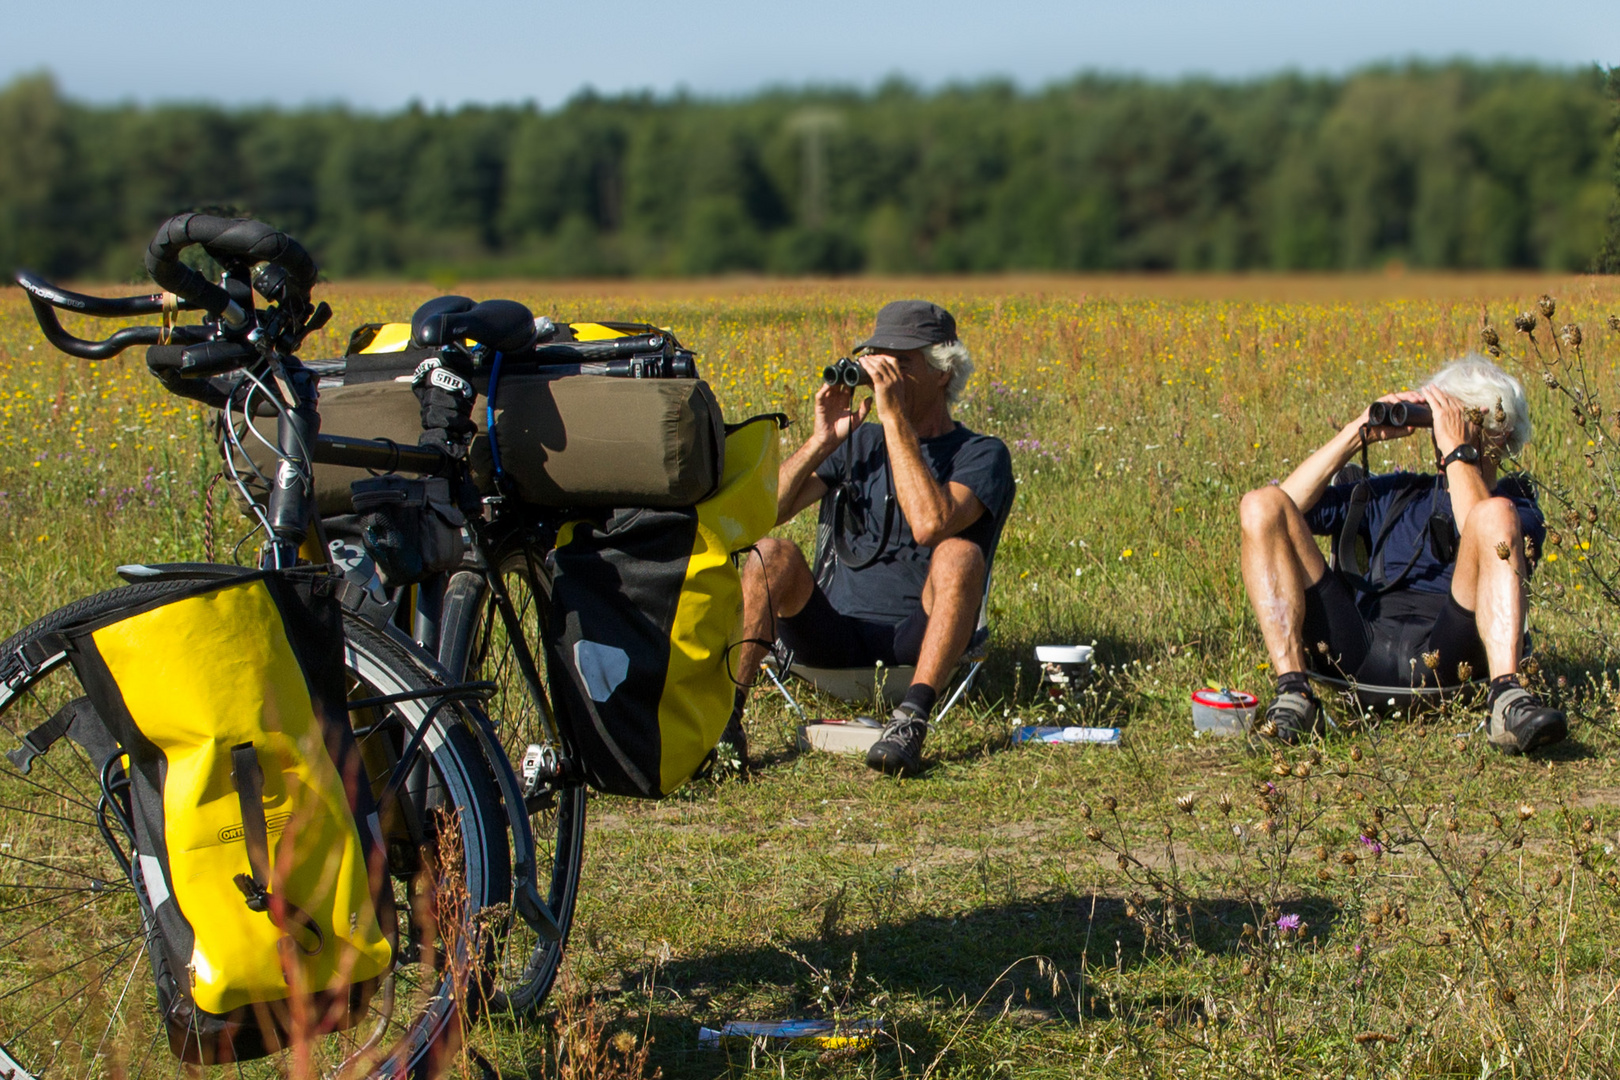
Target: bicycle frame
column 262, row 347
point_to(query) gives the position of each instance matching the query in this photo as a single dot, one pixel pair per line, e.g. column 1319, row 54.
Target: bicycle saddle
column 503, row 325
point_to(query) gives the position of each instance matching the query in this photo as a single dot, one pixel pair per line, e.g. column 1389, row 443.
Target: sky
column 382, row 56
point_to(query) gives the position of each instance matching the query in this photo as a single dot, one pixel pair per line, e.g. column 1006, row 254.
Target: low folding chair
column 881, row 687
column 1388, row 700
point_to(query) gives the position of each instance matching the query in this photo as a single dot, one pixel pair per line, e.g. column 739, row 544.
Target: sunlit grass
column 1137, row 413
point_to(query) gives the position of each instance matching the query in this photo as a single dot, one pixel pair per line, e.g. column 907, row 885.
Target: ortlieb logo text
column 273, row 822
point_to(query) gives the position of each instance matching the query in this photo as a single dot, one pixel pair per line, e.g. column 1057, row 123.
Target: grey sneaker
column 1294, row 716
column 1520, row 723
column 898, row 750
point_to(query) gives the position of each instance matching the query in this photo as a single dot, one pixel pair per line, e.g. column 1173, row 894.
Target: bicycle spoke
column 52, row 792
column 59, row 870
column 44, row 814
column 70, row 996
column 118, row 1007
column 121, row 942
column 35, row 929
column 38, row 903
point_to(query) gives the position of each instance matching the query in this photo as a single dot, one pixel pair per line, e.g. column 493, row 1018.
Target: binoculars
column 1399, row 414
column 846, row 372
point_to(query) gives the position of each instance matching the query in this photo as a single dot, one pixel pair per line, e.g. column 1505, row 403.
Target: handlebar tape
column 503, row 325
column 232, row 238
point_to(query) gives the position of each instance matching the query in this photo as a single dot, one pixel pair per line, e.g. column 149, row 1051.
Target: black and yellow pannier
column 257, row 853
column 646, row 605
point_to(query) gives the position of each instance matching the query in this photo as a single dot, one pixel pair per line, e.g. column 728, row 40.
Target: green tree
column 1608, row 259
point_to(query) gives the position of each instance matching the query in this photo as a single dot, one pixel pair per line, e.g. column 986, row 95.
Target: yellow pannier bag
column 646, row 605
column 257, row 850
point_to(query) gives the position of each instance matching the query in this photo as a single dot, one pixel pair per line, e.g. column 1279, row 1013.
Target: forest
column 1456, row 166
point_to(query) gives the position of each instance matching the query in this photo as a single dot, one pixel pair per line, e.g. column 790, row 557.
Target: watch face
column 1467, row 452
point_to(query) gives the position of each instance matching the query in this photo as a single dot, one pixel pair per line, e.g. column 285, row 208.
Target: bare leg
column 951, row 597
column 779, row 578
column 1492, row 587
column 1280, row 561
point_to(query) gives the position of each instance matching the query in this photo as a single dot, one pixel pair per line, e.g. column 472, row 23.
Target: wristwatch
column 1467, row 453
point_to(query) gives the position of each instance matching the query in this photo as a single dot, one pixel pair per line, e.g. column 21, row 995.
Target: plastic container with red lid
column 1223, row 711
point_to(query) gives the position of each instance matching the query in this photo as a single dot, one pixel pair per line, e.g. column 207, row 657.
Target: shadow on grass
column 969, row 956
column 1033, row 961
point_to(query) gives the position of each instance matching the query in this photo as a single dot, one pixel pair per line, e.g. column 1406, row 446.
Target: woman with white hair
column 1428, row 586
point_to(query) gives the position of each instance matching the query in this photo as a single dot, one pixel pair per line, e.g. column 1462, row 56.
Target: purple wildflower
column 1289, row 922
column 1371, row 845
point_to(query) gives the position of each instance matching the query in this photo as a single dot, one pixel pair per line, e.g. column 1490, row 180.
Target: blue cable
column 489, row 419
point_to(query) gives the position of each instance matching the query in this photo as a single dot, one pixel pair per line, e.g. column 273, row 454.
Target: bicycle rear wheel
column 77, row 996
column 474, row 645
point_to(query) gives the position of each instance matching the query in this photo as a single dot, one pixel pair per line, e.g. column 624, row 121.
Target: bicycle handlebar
column 224, row 239
column 109, row 307
column 45, row 298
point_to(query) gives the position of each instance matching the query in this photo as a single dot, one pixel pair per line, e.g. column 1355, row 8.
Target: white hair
column 1479, row 384
column 951, row 357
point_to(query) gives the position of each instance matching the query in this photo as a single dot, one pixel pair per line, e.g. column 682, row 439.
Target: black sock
column 739, row 702
column 919, row 699
column 1499, row 685
column 1293, row 682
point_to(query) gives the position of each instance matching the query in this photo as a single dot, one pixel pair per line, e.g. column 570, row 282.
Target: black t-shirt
column 1408, row 537
column 890, row 589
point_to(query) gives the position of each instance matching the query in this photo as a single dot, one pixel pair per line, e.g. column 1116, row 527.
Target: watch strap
column 1467, row 453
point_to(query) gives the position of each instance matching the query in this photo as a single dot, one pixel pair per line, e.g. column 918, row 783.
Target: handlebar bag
column 256, row 852
column 566, row 442
column 570, row 441
column 646, row 605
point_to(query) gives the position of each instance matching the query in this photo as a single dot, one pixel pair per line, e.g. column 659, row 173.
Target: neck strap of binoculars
column 845, row 494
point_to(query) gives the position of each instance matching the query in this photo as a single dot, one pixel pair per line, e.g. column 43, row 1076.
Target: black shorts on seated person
column 1382, row 643
column 823, row 637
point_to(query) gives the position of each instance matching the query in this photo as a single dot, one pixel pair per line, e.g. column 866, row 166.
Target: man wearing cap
column 916, row 502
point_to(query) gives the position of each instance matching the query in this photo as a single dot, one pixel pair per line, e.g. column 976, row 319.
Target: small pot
column 1222, row 712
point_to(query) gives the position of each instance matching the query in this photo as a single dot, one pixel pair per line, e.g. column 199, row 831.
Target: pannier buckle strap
column 36, row 652
column 42, row 738
column 255, row 886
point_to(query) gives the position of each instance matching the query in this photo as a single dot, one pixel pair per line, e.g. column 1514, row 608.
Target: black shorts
column 826, row 638
column 1383, row 642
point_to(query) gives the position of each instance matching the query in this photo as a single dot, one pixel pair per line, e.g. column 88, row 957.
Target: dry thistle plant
column 584, row 1048
column 1578, row 578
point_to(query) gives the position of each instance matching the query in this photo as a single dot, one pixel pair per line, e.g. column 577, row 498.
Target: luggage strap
column 255, row 886
column 41, row 739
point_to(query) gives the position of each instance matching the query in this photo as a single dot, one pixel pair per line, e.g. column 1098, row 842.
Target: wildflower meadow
column 1398, row 900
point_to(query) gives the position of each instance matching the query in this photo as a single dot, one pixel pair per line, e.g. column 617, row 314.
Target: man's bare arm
column 934, row 511
column 797, row 485
column 1311, row 477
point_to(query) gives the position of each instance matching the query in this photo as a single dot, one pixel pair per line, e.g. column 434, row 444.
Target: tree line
column 1442, row 166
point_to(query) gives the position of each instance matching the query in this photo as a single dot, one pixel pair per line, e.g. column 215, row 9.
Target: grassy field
column 1397, row 901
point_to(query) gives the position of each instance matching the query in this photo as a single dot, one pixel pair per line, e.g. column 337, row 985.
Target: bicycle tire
column 471, row 647
column 102, row 1031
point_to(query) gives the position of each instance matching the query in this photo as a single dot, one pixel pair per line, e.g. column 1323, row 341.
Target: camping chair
column 882, row 687
column 1402, row 700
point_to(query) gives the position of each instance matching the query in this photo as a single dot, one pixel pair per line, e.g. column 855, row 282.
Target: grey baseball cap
column 910, row 324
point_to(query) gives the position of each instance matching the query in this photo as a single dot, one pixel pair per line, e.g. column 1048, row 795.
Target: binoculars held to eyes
column 1399, row 414
column 846, row 372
